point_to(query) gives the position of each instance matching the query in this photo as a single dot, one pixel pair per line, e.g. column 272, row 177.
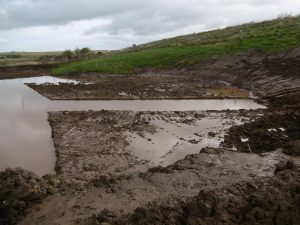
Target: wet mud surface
column 142, row 86
column 105, row 180
column 121, row 143
column 263, row 201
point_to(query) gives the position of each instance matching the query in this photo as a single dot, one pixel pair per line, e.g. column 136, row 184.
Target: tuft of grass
column 268, row 36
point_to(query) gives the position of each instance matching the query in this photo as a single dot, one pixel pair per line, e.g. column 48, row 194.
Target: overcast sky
column 47, row 25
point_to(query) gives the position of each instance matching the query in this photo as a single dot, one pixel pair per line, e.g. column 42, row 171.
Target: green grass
column 269, row 36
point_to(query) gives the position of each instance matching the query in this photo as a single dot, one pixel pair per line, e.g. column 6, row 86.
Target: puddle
column 25, row 135
column 173, row 141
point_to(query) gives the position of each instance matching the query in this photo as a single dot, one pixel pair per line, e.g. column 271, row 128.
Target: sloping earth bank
column 271, row 77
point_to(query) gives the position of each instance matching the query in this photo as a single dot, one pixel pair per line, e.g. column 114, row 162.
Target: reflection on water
column 25, row 135
column 173, row 141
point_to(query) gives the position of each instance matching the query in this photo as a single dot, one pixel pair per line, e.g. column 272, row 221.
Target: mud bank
column 274, row 78
column 142, row 86
column 24, row 71
column 276, row 129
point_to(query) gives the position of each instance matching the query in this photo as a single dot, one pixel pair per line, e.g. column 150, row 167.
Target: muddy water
column 173, row 141
column 25, row 135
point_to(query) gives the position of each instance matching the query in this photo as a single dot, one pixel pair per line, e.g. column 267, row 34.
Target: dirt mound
column 262, row 201
column 20, row 190
column 274, row 78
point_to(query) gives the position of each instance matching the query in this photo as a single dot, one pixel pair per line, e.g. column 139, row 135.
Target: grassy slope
column 269, row 36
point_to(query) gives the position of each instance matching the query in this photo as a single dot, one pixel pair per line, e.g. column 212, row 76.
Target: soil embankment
column 271, row 77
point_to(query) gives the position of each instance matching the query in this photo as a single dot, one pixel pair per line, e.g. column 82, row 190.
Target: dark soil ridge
column 274, row 78
column 277, row 129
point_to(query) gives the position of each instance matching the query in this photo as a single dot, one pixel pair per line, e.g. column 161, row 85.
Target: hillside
column 269, row 36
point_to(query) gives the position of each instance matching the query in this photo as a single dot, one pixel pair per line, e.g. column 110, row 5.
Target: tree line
column 77, row 54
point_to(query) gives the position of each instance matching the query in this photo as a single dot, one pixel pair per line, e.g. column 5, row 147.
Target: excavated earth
column 248, row 174
column 270, row 77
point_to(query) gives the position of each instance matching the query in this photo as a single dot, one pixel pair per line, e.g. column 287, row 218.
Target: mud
column 277, row 129
column 210, row 170
column 142, row 86
column 25, row 71
column 263, row 201
column 106, row 181
column 20, row 190
column 273, row 78
column 120, row 143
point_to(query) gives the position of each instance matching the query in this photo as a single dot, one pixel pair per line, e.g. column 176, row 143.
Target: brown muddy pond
column 25, row 134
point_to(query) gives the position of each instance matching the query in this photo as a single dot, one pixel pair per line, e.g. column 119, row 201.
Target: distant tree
column 99, row 53
column 67, row 54
column 85, row 52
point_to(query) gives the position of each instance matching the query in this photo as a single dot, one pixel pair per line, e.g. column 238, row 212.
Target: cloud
column 61, row 24
column 2, row 41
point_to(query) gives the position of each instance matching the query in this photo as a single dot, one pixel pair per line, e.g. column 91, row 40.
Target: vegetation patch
column 268, row 36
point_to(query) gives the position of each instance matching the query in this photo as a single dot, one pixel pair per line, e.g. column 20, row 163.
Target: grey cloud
column 26, row 13
column 114, row 24
column 145, row 15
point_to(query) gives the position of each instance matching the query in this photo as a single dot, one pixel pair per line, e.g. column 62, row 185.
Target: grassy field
column 268, row 36
column 23, row 58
